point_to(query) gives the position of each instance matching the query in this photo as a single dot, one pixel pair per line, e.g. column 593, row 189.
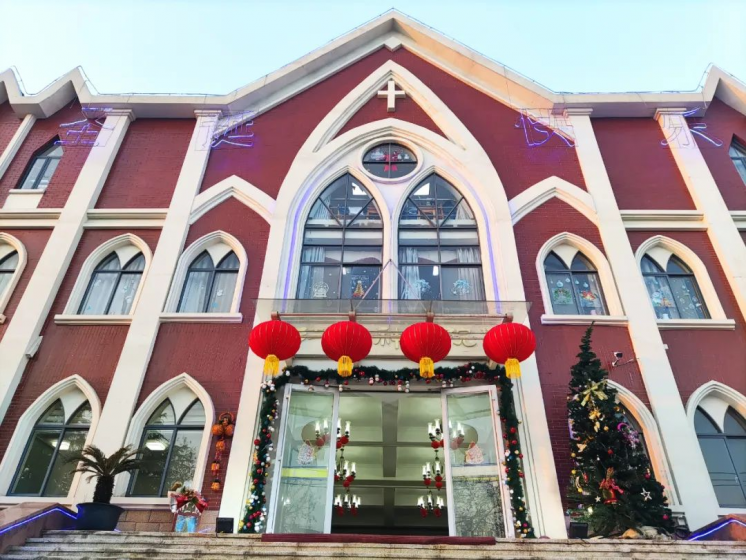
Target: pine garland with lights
column 612, row 483
column 256, row 505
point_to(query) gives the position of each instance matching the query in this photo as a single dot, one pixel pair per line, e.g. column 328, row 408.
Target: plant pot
column 94, row 516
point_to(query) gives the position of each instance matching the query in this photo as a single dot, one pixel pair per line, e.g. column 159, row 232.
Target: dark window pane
column 675, row 266
column 55, row 414
column 47, row 175
column 418, row 255
column 194, row 297
column 136, row 264
column 687, row 297
column 203, row 261
column 734, row 424
column 580, row 263
column 9, row 262
column 319, row 282
column 462, row 283
column 462, row 216
column 722, row 472
column 324, row 255
column 389, row 161
column 362, row 255
column 35, row 462
column 54, row 151
column 195, row 416
column 661, row 297
column 124, row 294
column 229, row 262
column 649, row 266
column 82, row 416
column 562, row 294
column 703, row 425
column 147, row 480
column 323, row 236
column 460, row 255
column 368, row 217
column 223, row 290
column 61, row 475
column 412, row 216
column 33, row 174
column 588, row 289
column 164, row 414
column 356, row 280
column 420, row 282
column 553, row 262
column 183, row 458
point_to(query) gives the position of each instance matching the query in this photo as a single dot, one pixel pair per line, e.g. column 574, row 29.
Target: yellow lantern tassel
column 344, row 366
column 512, row 368
column 427, row 367
column 271, row 365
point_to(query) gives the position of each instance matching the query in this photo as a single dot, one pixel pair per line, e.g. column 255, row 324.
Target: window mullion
column 113, row 293
column 741, row 483
column 208, row 291
column 168, row 461
column 40, row 176
column 56, row 451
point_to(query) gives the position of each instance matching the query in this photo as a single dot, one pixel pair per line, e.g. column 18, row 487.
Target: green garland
column 256, row 505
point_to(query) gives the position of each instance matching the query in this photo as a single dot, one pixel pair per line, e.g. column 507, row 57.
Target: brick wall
column 406, row 110
column 643, row 173
column 147, row 166
column 214, row 354
column 91, row 351
column 9, row 123
column 67, row 171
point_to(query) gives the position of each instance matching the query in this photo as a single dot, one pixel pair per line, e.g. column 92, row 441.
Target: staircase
column 177, row 546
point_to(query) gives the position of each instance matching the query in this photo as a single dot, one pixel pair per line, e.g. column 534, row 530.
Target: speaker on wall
column 224, row 525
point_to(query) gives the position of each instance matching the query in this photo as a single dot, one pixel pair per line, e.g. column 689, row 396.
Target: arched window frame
column 182, row 391
column 218, row 244
column 126, row 247
column 737, row 152
column 566, row 246
column 660, row 249
column 8, row 245
column 73, row 391
column 47, row 161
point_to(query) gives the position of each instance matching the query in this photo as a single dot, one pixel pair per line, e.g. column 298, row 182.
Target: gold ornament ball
column 572, row 455
column 606, row 428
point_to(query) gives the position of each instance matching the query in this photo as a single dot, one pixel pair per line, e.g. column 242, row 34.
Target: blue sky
column 178, row 46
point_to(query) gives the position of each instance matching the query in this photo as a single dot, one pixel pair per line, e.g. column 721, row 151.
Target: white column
column 138, row 346
column 28, row 319
column 679, row 440
column 721, row 229
column 15, row 143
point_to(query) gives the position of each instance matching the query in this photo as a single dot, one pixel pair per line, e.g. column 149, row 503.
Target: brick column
column 679, row 440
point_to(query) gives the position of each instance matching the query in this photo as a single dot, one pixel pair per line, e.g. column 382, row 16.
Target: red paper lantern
column 274, row 341
column 426, row 343
column 509, row 344
column 346, row 342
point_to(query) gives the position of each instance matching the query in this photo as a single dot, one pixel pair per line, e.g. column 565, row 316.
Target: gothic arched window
column 40, row 169
column 8, row 265
column 209, row 288
column 725, row 455
column 674, row 292
column 575, row 290
column 43, row 471
column 439, row 255
column 171, row 446
column 342, row 244
column 737, row 153
column 112, row 288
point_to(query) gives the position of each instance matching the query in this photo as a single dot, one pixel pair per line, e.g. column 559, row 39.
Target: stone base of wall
column 161, row 520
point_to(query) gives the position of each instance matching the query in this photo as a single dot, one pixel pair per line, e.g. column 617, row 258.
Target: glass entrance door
column 478, row 504
column 301, row 496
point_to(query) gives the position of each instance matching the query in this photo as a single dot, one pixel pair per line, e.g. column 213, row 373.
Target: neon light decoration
column 677, row 125
column 716, row 528
column 234, row 130
column 35, row 517
column 539, row 125
column 85, row 131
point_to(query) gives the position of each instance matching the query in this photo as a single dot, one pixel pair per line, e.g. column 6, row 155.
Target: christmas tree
column 611, row 483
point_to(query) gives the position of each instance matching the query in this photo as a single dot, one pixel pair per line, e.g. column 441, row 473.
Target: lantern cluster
column 222, row 430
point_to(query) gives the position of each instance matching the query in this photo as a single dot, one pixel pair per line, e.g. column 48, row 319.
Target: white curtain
column 223, row 288
column 411, row 287
column 472, row 275
column 312, row 275
column 98, row 295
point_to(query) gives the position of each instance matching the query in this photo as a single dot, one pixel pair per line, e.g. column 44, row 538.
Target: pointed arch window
column 342, row 244
column 209, row 288
column 439, row 254
column 171, row 447
column 112, row 288
column 725, row 455
column 8, row 266
column 43, row 470
column 42, row 166
column 389, row 161
column 575, row 290
column 674, row 292
column 737, row 154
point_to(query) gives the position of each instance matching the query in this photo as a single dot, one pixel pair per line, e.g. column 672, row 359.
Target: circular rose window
column 389, row 161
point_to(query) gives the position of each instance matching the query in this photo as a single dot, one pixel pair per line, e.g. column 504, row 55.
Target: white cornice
column 102, row 218
column 390, row 30
column 739, row 217
column 32, row 218
column 665, row 220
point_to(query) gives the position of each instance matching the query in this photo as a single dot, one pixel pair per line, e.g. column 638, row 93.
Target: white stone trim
column 23, row 199
column 235, row 187
column 128, row 218
column 662, row 220
column 62, row 319
column 649, row 426
column 609, row 320
column 690, row 258
column 28, row 218
column 16, row 142
column 27, row 421
column 126, row 246
column 720, row 391
column 8, row 240
column 593, row 254
column 205, row 243
column 536, row 195
column 739, row 218
column 696, row 324
column 201, row 317
column 169, row 389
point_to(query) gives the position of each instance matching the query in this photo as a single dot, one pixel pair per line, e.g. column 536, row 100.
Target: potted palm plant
column 100, row 514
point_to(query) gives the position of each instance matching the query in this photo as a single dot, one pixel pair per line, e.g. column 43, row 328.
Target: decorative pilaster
column 15, row 143
column 721, row 229
column 679, row 440
column 22, row 334
column 138, row 346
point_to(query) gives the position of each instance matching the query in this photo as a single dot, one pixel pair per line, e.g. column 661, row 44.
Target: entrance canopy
column 465, row 320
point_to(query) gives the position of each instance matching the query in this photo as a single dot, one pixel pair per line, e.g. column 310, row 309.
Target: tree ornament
column 346, row 342
column 274, row 340
column 509, row 344
column 426, row 343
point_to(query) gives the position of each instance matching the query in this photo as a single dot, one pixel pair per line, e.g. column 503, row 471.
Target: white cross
column 391, row 94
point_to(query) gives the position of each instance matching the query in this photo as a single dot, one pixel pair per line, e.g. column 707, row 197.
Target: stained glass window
column 43, row 470
column 674, row 292
column 439, row 256
column 170, row 449
column 342, row 244
column 575, row 290
column 389, row 161
column 725, row 455
column 209, row 288
column 42, row 166
column 112, row 288
column 738, row 156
